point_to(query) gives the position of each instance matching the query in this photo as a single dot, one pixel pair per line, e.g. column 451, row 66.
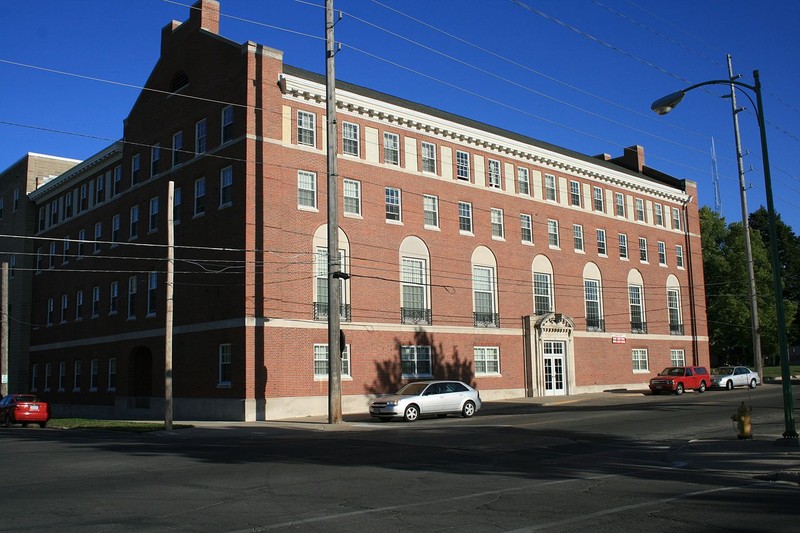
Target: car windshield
column 724, row 371
column 412, row 389
column 26, row 398
column 673, row 371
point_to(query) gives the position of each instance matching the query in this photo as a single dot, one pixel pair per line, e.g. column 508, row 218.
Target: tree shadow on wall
column 389, row 373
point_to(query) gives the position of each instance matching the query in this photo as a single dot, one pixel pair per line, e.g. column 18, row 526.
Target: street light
column 664, row 105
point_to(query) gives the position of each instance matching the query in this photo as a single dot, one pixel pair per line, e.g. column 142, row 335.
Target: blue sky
column 577, row 73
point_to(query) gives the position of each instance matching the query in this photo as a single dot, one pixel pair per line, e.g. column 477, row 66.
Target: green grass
column 113, row 425
column 775, row 371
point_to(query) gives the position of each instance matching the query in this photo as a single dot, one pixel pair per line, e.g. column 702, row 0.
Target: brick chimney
column 204, row 14
column 633, row 158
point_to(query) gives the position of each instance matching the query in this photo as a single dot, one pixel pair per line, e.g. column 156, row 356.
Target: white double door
column 554, row 358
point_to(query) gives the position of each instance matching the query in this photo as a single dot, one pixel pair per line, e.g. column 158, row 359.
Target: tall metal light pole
column 666, row 104
column 748, row 247
column 334, row 263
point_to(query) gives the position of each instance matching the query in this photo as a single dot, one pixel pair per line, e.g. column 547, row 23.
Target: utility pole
column 169, row 300
column 4, row 333
column 746, row 227
column 334, row 262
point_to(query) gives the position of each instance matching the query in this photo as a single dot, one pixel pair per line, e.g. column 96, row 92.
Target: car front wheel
column 702, row 387
column 468, row 410
column 729, row 385
column 753, row 383
column 679, row 389
column 411, row 413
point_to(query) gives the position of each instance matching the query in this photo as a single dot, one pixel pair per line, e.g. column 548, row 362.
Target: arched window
column 674, row 306
column 484, row 288
column 543, row 293
column 593, row 297
column 415, row 297
column 320, row 251
column 636, row 302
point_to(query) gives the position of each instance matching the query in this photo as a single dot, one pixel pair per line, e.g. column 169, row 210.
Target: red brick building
column 474, row 252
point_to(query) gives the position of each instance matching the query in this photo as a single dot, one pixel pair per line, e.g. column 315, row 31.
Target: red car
column 23, row 409
column 680, row 378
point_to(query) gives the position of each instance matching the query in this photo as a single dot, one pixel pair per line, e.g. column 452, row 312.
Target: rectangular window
column 594, row 316
column 76, row 376
column 306, row 189
column 679, row 256
column 487, row 360
column 676, row 218
column 62, row 375
column 134, row 228
column 623, row 246
column 495, row 179
column 430, row 207
column 677, row 358
column 50, row 311
column 224, row 378
column 83, row 198
column 391, row 148
column 542, row 293
column 199, row 196
column 643, row 249
column 637, row 309
column 152, row 293
column 498, row 230
column 662, row 253
column 640, row 215
column 415, row 361
column 177, row 200
column 54, row 212
column 68, row 201
column 306, row 128
column 155, row 157
column 52, row 256
column 78, row 305
column 574, row 193
column 674, row 312
column 81, row 242
column 552, row 233
column 550, row 187
column 93, row 367
column 227, row 124
column 393, row 204
column 465, row 217
column 350, row 144
column 153, row 218
column 483, row 288
column 100, row 190
column 601, row 242
column 462, row 165
column 639, row 357
column 226, row 187
column 577, row 236
column 526, row 228
column 523, row 181
column 98, row 235
column 115, row 229
column 34, row 377
column 429, row 157
column 321, row 361
column 48, row 370
column 619, row 203
column 112, row 374
column 95, row 301
column 136, row 167
column 132, row 297
column 39, row 260
column 12, row 266
column 200, row 137
column 113, row 298
column 414, row 291
column 352, row 197
column 597, row 195
column 177, row 146
column 64, row 307
column 66, row 251
column 659, row 211
column 321, row 285
column 116, row 186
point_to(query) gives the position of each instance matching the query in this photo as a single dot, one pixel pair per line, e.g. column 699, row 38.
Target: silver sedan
column 728, row 377
column 427, row 398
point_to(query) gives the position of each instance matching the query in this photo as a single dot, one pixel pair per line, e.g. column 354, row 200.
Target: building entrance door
column 554, row 368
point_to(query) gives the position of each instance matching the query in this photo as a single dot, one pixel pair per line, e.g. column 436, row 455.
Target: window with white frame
column 155, row 157
column 113, row 298
column 64, row 307
column 639, row 360
column 76, row 376
column 542, row 293
column 321, row 361
column 495, row 179
column 306, row 128
column 574, row 193
column 552, row 233
column 414, row 290
column 116, row 186
column 321, row 284
column 430, row 208
column 597, row 196
column 679, row 256
column 68, row 200
column 623, row 246
column 594, row 311
column 50, row 311
column 640, row 214
column 659, row 214
column 662, row 253
column 227, row 123
column 415, row 361
column 676, row 218
column 199, row 197
column 498, row 230
column 643, row 249
column 34, row 377
column 95, row 301
column 115, row 229
column 153, row 218
column 136, row 166
column 550, row 187
column 51, row 259
column 112, row 374
column 677, row 358
column 484, row 294
column 224, row 365
column 83, row 198
column 65, row 251
column 132, row 297
column 619, row 203
column 462, row 165
column 200, row 137
column 93, row 369
column 674, row 311
column 98, row 236
column 523, row 181
column 78, row 304
column 393, row 207
column 177, row 147
column 54, row 212
column 306, row 189
column 526, row 228
column 601, row 242
column 465, row 217
column 177, row 200
column 62, row 375
column 12, row 266
column 391, row 148
column 352, row 197
column 428, row 157
column 39, row 260
column 577, row 237
column 636, row 305
column 100, row 190
column 152, row 293
column 15, row 200
column 48, row 370
column 487, row 360
column 226, row 187
column 350, row 144
column 134, row 225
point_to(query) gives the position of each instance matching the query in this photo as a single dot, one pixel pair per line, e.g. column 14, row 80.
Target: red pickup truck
column 680, row 378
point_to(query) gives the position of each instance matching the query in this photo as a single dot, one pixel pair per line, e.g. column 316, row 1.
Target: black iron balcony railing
column 595, row 324
column 486, row 320
column 638, row 327
column 675, row 329
column 321, row 311
column 415, row 315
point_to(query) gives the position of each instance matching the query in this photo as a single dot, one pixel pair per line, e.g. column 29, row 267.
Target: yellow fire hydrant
column 742, row 417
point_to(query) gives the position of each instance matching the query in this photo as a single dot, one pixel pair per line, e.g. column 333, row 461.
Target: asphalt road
column 610, row 462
